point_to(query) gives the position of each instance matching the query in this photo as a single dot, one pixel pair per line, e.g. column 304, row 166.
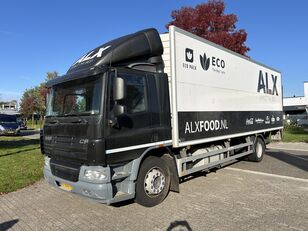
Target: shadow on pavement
column 17, row 143
column 195, row 175
column 8, row 224
column 29, row 132
column 21, row 151
column 294, row 160
column 123, row 203
column 179, row 225
column 10, row 146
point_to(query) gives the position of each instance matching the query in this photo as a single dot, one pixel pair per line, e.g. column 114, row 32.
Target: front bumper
column 102, row 192
column 9, row 131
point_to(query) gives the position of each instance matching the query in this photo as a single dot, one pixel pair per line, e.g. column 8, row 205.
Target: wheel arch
column 265, row 137
column 166, row 154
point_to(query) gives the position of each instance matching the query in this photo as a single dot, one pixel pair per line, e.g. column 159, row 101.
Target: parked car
column 22, row 124
column 303, row 122
column 9, row 125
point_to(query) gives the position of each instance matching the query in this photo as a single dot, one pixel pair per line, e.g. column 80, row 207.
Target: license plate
column 66, row 187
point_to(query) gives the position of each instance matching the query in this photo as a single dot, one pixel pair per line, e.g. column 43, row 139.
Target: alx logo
column 215, row 62
column 90, row 55
column 263, row 84
column 205, row 62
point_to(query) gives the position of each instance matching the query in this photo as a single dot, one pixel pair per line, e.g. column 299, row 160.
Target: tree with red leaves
column 34, row 99
column 209, row 21
column 32, row 102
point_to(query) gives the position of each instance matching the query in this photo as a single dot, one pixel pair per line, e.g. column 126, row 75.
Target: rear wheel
column 259, row 152
column 153, row 182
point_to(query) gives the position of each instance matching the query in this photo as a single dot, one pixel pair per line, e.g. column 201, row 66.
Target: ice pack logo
column 205, row 62
column 189, row 55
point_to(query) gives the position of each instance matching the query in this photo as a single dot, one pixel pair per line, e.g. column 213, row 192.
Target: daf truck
column 133, row 117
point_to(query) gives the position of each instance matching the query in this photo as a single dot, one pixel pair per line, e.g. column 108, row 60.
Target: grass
column 293, row 133
column 21, row 163
column 34, row 125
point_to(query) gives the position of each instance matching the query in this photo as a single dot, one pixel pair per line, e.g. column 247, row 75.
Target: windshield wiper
column 77, row 114
column 79, row 119
column 53, row 122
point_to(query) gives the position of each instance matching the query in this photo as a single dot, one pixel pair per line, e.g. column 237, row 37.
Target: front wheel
column 259, row 152
column 153, row 182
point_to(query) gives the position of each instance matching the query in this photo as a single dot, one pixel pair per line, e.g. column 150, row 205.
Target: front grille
column 65, row 170
column 9, row 130
column 66, row 147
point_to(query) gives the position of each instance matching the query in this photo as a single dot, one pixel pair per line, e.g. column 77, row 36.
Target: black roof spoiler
column 140, row 45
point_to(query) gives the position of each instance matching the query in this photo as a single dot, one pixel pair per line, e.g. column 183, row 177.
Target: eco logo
column 205, row 62
column 189, row 55
column 217, row 64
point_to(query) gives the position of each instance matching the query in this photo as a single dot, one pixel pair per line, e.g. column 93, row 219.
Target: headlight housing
column 95, row 175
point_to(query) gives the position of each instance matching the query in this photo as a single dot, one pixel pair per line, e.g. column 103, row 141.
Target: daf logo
column 48, row 138
column 84, row 141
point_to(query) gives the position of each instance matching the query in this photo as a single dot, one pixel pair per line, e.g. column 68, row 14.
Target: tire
column 153, row 182
column 259, row 152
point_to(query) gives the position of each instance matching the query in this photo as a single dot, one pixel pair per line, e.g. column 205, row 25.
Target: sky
column 41, row 36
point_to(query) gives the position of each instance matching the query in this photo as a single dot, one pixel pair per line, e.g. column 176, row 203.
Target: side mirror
column 118, row 110
column 118, row 89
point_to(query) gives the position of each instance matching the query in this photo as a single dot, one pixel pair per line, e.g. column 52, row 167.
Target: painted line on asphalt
column 289, row 149
column 268, row 174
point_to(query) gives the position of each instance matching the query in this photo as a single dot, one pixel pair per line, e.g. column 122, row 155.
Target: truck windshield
column 75, row 98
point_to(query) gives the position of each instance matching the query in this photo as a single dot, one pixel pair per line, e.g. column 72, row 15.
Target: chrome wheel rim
column 154, row 182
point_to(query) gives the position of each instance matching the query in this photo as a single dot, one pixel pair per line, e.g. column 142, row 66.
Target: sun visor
column 142, row 44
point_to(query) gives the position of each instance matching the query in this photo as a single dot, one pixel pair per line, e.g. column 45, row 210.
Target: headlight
column 1, row 128
column 95, row 174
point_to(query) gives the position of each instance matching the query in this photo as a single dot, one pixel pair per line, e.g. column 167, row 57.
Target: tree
column 34, row 99
column 32, row 102
column 51, row 75
column 209, row 21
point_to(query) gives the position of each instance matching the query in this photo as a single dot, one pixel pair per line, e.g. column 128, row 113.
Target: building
column 10, row 107
column 296, row 108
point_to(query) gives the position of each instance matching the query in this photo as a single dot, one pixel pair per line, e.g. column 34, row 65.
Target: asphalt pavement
column 30, row 133
column 270, row 195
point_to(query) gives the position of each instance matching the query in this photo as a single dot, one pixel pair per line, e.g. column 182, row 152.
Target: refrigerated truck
column 134, row 116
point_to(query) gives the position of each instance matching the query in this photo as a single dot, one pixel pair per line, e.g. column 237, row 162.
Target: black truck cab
column 110, row 107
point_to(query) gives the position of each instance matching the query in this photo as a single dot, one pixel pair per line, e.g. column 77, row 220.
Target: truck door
column 126, row 132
